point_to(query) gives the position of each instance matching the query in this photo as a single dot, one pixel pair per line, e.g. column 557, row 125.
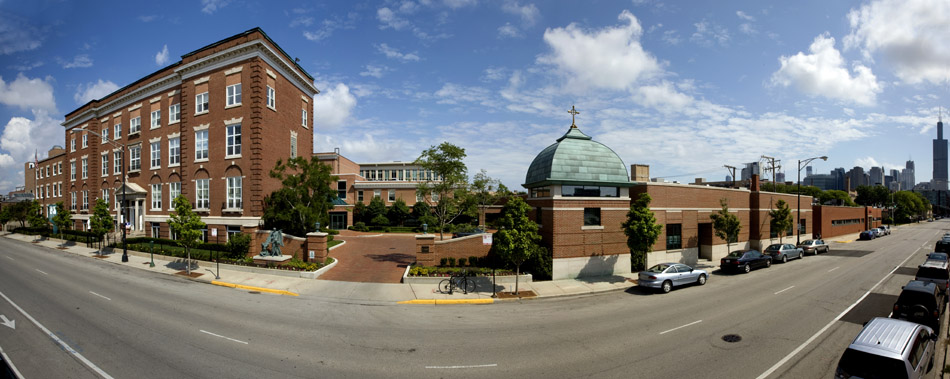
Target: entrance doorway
column 705, row 240
column 338, row 220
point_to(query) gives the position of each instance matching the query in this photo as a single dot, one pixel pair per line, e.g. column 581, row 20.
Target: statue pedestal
column 275, row 261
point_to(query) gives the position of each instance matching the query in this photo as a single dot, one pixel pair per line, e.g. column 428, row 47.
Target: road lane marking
column 56, row 338
column 832, row 322
column 220, row 336
column 41, row 271
column 9, row 258
column 10, row 364
column 834, row 269
column 469, row 366
column 783, row 290
column 100, row 296
column 681, row 327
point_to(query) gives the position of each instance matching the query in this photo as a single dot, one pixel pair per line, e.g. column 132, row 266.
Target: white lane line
column 834, row 269
column 681, row 327
column 469, row 366
column 783, row 290
column 62, row 344
column 6, row 358
column 227, row 338
column 832, row 322
column 41, row 271
column 8, row 258
column 100, row 296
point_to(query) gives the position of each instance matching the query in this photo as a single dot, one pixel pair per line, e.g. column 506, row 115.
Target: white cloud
column 211, row 6
column 367, row 148
column 80, row 61
column 747, row 28
column 17, row 34
column 823, row 73
column 389, row 19
column 708, row 34
column 671, row 37
column 302, row 20
column 333, row 106
column 744, row 16
column 148, row 18
column 611, row 57
column 452, row 93
column 493, row 74
column 662, row 97
column 390, row 52
column 374, row 71
column 22, row 137
column 455, row 4
column 508, row 31
column 529, row 13
column 161, row 58
column 866, row 162
column 326, row 30
column 913, row 35
column 27, row 93
column 93, row 91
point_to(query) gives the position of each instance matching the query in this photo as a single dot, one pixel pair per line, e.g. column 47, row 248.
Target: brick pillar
column 425, row 250
column 251, row 230
column 317, row 243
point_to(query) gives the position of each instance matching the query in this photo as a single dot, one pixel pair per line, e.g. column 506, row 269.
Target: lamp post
column 798, row 225
column 125, row 251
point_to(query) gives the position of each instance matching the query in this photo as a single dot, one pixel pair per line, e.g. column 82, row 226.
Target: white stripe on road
column 832, row 322
column 6, row 358
column 681, row 327
column 470, row 366
column 8, row 258
column 58, row 341
column 218, row 335
column 41, row 271
column 834, row 269
column 783, row 290
column 100, row 296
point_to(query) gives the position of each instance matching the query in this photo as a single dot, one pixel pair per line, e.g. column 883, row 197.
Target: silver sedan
column 782, row 252
column 666, row 275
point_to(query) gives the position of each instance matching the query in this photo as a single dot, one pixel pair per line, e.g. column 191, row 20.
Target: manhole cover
column 255, row 292
column 732, row 338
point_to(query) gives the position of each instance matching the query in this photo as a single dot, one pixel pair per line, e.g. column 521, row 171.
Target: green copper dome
column 579, row 160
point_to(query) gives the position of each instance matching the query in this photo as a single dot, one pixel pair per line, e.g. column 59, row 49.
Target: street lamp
column 798, row 225
column 125, row 251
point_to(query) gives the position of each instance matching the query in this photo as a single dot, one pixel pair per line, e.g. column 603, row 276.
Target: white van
column 889, row 348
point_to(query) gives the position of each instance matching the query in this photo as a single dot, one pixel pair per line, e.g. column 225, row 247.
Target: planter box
column 486, row 280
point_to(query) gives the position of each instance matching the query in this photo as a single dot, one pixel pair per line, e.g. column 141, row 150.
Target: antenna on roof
column 296, row 60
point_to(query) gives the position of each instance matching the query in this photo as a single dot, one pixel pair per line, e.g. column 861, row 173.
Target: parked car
column 920, row 302
column 782, row 252
column 744, row 260
column 883, row 231
column 467, row 233
column 877, row 232
column 943, row 246
column 868, row 235
column 939, row 257
column 814, row 246
column 888, row 348
column 934, row 272
column 665, row 276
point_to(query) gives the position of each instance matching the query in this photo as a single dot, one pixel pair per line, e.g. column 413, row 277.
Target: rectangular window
column 434, row 196
column 156, row 118
column 156, row 229
column 156, row 197
column 234, row 94
column 341, row 189
column 674, row 236
column 85, row 199
column 135, row 125
column 293, row 145
column 591, row 216
column 85, row 168
column 232, row 230
column 174, row 189
column 118, row 131
column 201, row 144
column 72, row 200
column 359, row 196
column 303, row 117
column 105, row 135
column 202, row 194
column 174, row 113
column 378, row 193
column 271, row 101
column 174, row 151
column 135, row 158
column 419, row 198
column 117, row 162
column 234, row 140
column 155, row 150
column 234, row 192
column 105, row 165
column 201, row 103
column 105, row 196
column 392, row 196
column 72, row 144
column 85, row 140
column 72, row 170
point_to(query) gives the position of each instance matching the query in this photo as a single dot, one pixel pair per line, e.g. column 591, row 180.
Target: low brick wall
column 430, row 251
column 293, row 246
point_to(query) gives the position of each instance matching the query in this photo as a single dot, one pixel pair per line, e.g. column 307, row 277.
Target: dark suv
column 943, row 246
column 920, row 302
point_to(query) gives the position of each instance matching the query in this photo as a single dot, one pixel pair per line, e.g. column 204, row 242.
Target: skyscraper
column 877, row 176
column 940, row 160
column 908, row 177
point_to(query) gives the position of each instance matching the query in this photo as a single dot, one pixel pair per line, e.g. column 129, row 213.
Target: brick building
column 210, row 127
column 46, row 178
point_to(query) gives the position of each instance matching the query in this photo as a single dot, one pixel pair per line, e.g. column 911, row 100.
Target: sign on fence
column 486, row 239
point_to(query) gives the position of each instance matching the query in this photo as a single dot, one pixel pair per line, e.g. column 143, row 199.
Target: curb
column 447, row 301
column 252, row 288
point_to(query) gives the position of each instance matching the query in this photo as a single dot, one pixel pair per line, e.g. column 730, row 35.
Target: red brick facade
column 836, row 221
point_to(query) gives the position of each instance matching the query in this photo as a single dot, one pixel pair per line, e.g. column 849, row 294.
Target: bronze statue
column 271, row 246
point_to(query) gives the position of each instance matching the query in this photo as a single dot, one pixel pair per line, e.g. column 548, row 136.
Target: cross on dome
column 573, row 113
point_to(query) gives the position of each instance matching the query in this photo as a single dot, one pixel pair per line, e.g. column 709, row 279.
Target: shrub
column 360, row 227
column 387, row 230
column 238, row 245
column 442, row 261
column 461, row 262
column 419, row 271
column 473, row 261
column 452, row 261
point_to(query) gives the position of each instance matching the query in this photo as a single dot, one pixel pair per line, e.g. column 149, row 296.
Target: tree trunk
column 188, row 260
column 517, row 274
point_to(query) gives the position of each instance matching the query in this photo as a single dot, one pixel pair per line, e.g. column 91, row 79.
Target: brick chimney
column 754, row 183
column 640, row 172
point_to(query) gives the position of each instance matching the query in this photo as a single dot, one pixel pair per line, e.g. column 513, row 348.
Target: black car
column 943, row 246
column 744, row 260
column 920, row 302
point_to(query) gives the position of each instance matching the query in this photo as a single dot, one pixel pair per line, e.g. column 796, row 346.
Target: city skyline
column 699, row 87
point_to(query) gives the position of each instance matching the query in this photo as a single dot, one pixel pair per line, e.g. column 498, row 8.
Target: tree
column 872, row 196
column 449, row 185
column 20, row 211
column 398, row 212
column 517, row 238
column 781, row 219
column 63, row 218
column 726, row 225
column 486, row 191
column 100, row 221
column 359, row 213
column 837, row 197
column 376, row 212
column 34, row 215
column 187, row 225
column 423, row 214
column 641, row 230
column 5, row 216
column 303, row 199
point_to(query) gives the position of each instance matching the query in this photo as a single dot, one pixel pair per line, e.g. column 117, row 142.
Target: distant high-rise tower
column 807, row 171
column 940, row 160
column 907, row 176
column 877, row 176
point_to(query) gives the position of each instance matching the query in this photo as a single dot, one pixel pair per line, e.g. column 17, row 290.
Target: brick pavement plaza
column 372, row 257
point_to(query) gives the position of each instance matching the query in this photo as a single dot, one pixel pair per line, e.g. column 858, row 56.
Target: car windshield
column 775, row 247
column 808, row 242
column 932, row 272
column 915, row 297
column 937, row 256
column 735, row 254
column 658, row 268
column 866, row 365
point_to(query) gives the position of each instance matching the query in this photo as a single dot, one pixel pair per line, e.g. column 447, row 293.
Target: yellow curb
column 447, row 301
column 848, row 241
column 251, row 288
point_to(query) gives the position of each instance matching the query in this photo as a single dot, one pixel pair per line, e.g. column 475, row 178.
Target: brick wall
column 463, row 247
column 825, row 217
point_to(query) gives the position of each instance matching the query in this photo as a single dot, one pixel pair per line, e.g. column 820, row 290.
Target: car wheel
column 801, row 255
column 784, row 259
column 768, row 263
column 701, row 280
column 667, row 286
column 746, row 268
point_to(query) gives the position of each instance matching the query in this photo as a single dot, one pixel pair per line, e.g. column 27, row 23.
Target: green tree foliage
column 641, row 230
column 781, row 219
column 101, row 221
column 63, row 218
column 376, row 212
column 517, row 238
column 19, row 212
column 445, row 161
column 304, row 198
column 238, row 245
column 486, row 191
column 187, row 225
column 5, row 216
column 422, row 213
column 359, row 213
column 875, row 196
column 34, row 215
column 909, row 206
column 836, row 197
column 398, row 212
column 726, row 225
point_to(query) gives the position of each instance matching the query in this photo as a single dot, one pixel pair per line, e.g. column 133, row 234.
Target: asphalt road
column 96, row 319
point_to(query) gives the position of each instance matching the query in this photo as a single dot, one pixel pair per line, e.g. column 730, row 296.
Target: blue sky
column 685, row 87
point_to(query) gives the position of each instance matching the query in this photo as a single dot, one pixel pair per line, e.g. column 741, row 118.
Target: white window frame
column 201, row 145
column 303, row 117
column 135, row 158
column 72, row 144
column 117, row 162
column 235, row 195
column 85, row 168
column 174, row 189
column 72, row 200
column 157, row 197
column 155, row 154
column 174, row 152
column 156, row 119
column 378, row 193
column 105, row 164
column 118, row 131
column 392, row 195
column 85, row 199
column 203, row 194
column 72, row 170
column 105, row 196
column 233, row 93
column 233, row 141
column 174, row 113
column 293, row 144
column 201, row 103
column 85, row 140
column 135, row 125
column 105, row 135
column 271, row 98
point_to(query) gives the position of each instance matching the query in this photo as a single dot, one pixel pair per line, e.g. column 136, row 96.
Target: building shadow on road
column 395, row 257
